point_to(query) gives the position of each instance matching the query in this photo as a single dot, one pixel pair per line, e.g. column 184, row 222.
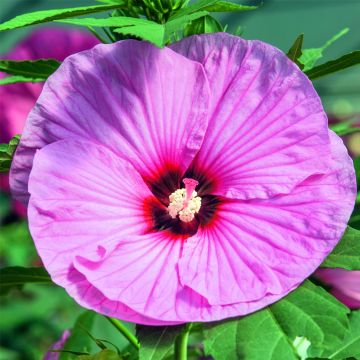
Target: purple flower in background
column 57, row 346
column 186, row 184
column 16, row 100
column 345, row 285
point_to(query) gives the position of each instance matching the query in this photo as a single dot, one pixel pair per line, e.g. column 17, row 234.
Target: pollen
column 185, row 203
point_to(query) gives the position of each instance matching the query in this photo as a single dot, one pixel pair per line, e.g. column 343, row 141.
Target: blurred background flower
column 16, row 100
column 50, row 355
column 344, row 285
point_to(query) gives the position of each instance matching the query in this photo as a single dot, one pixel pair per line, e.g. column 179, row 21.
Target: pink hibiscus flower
column 186, row 184
column 345, row 285
column 54, row 43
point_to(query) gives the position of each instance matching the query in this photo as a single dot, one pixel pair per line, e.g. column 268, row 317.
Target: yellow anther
column 185, row 202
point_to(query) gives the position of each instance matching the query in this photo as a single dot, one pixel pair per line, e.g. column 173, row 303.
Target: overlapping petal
column 90, row 297
column 87, row 218
column 125, row 96
column 84, row 200
column 263, row 247
column 267, row 130
column 141, row 273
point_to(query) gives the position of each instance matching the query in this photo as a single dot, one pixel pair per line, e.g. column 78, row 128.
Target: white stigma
column 185, row 202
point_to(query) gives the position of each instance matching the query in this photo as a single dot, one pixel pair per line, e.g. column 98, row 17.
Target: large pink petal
column 141, row 273
column 90, row 297
column 266, row 247
column 267, row 130
column 86, row 202
column 145, row 104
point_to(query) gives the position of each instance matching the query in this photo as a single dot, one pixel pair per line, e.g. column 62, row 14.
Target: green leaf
column 226, row 6
column 345, row 127
column 38, row 69
column 157, row 342
column 179, row 23
column 310, row 56
column 204, row 25
column 114, row 21
column 69, row 352
column 151, row 31
column 17, row 276
column 38, row 17
column 350, row 347
column 346, row 254
column 295, row 51
column 19, row 79
column 110, row 1
column 102, row 355
column 154, row 32
column 130, row 353
column 332, row 66
column 308, row 312
column 357, row 169
column 194, row 7
column 348, row 131
column 312, row 312
column 7, row 152
column 22, row 249
column 355, row 216
column 161, row 34
column 145, row 29
column 257, row 336
column 79, row 340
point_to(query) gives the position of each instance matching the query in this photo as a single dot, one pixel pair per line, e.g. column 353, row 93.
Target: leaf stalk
column 181, row 343
column 124, row 331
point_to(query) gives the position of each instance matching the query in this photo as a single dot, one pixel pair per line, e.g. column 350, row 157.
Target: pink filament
column 190, row 185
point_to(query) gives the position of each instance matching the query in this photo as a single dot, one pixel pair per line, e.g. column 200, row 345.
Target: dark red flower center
column 167, row 181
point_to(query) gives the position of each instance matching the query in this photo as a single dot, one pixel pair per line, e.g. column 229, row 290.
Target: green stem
column 181, row 343
column 109, row 35
column 125, row 331
column 97, row 35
